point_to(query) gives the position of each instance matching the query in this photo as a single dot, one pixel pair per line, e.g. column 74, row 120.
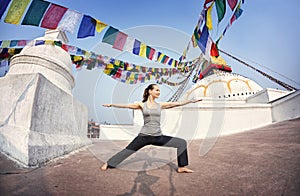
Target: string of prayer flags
column 35, row 13
column 16, row 11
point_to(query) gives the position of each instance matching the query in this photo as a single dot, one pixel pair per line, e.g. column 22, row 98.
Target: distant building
column 93, row 129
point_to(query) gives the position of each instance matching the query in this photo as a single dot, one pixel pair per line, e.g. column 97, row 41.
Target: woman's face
column 155, row 92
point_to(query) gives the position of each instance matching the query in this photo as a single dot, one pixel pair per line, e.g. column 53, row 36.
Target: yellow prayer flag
column 77, row 58
column 107, row 71
column 209, row 18
column 218, row 60
column 109, row 66
column 11, row 51
column 49, row 42
column 117, row 62
column 100, row 26
column 143, row 48
column 16, row 11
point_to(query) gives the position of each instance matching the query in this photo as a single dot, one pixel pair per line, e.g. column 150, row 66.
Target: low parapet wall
column 198, row 121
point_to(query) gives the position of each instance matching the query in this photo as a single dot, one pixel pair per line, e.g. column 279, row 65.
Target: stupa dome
column 223, row 85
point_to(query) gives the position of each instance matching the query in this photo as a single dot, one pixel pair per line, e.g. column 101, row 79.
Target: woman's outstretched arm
column 129, row 106
column 167, row 105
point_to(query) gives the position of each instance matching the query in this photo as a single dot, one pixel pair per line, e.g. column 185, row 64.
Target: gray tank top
column 151, row 120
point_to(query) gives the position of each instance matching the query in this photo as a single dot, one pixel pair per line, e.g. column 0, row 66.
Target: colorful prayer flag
column 110, row 35
column 221, row 9
column 203, row 39
column 238, row 12
column 120, row 41
column 143, row 48
column 136, row 47
column 129, row 44
column 100, row 26
column 70, row 21
column 16, row 11
column 13, row 43
column 87, row 27
column 35, row 12
column 232, row 3
column 3, row 6
column 214, row 50
column 209, row 18
column 150, row 52
column 53, row 16
column 206, row 2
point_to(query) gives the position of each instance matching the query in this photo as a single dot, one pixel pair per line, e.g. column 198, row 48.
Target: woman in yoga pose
column 151, row 133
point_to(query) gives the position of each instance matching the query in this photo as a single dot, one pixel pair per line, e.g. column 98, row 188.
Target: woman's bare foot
column 104, row 167
column 184, row 170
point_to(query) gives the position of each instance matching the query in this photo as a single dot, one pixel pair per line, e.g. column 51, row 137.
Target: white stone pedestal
column 39, row 118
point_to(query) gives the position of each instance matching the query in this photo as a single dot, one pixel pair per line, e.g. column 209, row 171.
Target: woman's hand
column 107, row 105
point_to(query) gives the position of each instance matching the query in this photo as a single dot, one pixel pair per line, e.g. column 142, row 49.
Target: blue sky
column 267, row 33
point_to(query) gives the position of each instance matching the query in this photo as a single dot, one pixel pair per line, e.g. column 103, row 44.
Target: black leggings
column 144, row 140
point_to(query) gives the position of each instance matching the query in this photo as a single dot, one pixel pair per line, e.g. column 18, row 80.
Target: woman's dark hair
column 146, row 92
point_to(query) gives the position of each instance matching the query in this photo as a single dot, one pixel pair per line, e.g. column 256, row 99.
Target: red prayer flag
column 206, row 2
column 232, row 3
column 214, row 50
column 120, row 41
column 53, row 16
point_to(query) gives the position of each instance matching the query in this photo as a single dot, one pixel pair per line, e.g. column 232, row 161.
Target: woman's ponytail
column 146, row 92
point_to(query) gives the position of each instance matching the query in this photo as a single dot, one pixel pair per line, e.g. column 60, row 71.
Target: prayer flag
column 221, row 9
column 53, row 16
column 69, row 21
column 209, row 18
column 120, row 41
column 232, row 3
column 39, row 42
column 87, row 27
column 35, row 12
column 194, row 41
column 129, row 44
column 208, row 48
column 100, row 26
column 214, row 50
column 5, row 43
column 143, row 48
column 136, row 47
column 150, row 52
column 13, row 43
column 203, row 39
column 3, row 6
column 165, row 59
column 238, row 12
column 206, row 2
column 16, row 11
column 22, row 43
column 110, row 35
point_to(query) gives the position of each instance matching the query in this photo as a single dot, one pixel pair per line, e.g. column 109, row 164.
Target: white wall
column 286, row 108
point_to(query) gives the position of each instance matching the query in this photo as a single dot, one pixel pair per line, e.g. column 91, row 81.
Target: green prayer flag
column 221, row 9
column 35, row 12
